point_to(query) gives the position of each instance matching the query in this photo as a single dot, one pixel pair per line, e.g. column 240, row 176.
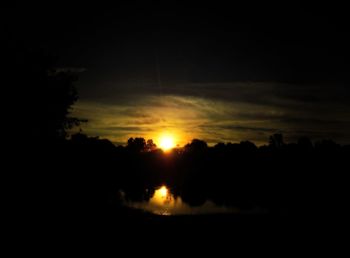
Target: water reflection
column 163, row 202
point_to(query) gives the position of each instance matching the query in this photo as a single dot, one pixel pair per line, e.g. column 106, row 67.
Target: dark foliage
column 81, row 178
column 293, row 178
column 41, row 94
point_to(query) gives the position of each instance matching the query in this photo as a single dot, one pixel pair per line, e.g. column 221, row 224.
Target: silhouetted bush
column 296, row 178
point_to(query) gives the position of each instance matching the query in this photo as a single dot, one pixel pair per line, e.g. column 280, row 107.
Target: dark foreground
column 135, row 225
column 57, row 230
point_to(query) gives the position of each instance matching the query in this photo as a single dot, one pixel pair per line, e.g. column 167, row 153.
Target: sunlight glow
column 163, row 201
column 166, row 142
column 163, row 192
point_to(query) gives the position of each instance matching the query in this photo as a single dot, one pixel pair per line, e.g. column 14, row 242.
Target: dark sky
column 218, row 72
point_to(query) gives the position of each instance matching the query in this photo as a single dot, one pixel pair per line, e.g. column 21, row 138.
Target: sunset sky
column 213, row 72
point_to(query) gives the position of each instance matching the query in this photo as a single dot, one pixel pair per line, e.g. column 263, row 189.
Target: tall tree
column 41, row 95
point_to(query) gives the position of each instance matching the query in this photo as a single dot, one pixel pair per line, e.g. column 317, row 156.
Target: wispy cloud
column 220, row 112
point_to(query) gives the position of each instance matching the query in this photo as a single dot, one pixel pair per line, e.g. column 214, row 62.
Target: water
column 163, row 202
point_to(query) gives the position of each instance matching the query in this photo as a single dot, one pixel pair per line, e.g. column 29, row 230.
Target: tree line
column 80, row 170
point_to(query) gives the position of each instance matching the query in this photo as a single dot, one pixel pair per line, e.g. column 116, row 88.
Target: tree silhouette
column 305, row 144
column 136, row 144
column 61, row 95
column 43, row 94
column 196, row 146
column 248, row 146
column 276, row 140
column 150, row 145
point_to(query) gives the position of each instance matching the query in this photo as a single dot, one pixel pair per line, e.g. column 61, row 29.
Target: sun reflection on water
column 163, row 202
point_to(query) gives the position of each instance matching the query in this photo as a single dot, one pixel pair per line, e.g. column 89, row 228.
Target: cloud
column 227, row 112
column 262, row 93
column 125, row 129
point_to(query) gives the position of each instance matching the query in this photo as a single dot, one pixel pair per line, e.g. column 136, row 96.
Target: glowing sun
column 166, row 143
column 163, row 192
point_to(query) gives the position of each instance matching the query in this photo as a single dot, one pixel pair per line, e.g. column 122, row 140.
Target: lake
column 163, row 202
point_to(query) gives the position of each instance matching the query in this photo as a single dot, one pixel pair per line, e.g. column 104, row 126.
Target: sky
column 221, row 73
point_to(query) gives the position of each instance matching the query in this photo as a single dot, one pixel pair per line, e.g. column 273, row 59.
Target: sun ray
column 166, row 142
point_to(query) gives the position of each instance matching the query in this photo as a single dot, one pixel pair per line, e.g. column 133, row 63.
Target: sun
column 163, row 192
column 166, row 142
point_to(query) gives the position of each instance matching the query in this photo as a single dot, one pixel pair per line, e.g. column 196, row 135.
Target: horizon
column 199, row 71
column 174, row 119
column 210, row 145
